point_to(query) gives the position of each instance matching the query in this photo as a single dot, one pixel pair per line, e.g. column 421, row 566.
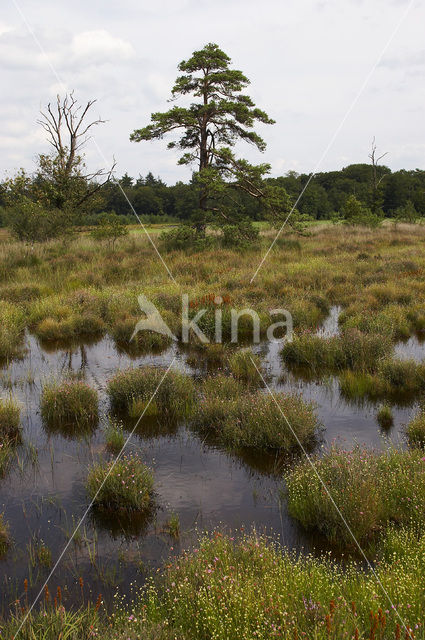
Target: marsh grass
column 10, row 421
column 350, row 350
column 5, row 540
column 67, row 317
column 394, row 378
column 248, row 587
column 132, row 389
column 252, row 419
column 244, row 365
column 10, row 432
column 371, row 491
column 211, row 355
column 12, row 326
column 172, row 526
column 415, row 430
column 7, row 450
column 114, row 436
column 385, row 417
column 69, row 405
column 126, row 485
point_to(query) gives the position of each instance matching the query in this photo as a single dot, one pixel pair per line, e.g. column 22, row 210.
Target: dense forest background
column 324, row 197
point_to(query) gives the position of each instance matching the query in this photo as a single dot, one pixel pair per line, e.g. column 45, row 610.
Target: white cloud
column 306, row 61
column 99, row 46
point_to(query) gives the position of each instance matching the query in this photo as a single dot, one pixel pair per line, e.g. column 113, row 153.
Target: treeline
column 326, row 194
column 325, row 197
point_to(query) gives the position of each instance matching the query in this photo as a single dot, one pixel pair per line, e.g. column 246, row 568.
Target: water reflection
column 205, row 485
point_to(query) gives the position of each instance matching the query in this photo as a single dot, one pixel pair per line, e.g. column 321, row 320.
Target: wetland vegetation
column 185, row 483
column 379, row 492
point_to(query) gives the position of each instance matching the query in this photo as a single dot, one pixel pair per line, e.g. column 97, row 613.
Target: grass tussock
column 415, row 430
column 371, row 491
column 251, row 419
column 70, row 403
column 351, row 350
column 246, row 365
column 385, row 417
column 125, row 485
column 394, row 378
column 10, row 432
column 114, row 436
column 10, row 421
column 150, row 390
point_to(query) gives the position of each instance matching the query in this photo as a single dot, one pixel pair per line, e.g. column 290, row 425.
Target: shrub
column 10, row 426
column 126, row 484
column 174, row 396
column 110, row 228
column 253, row 420
column 31, row 222
column 240, row 236
column 415, row 430
column 185, row 238
column 4, row 536
column 370, row 490
column 355, row 212
column 69, row 403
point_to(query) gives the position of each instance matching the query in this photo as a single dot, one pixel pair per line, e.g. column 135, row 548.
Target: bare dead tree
column 68, row 130
column 376, row 179
column 375, row 161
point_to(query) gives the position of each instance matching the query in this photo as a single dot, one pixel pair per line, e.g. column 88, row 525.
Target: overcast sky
column 306, row 60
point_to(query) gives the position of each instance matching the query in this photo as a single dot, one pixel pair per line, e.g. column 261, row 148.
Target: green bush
column 185, row 238
column 30, row 222
column 355, row 212
column 110, row 228
column 123, row 485
column 240, row 236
